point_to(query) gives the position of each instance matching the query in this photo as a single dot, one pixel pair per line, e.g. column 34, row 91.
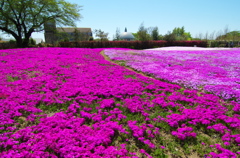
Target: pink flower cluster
column 184, row 132
column 223, row 153
column 143, row 131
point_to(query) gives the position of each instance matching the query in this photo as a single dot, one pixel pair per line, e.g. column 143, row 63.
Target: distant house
column 53, row 34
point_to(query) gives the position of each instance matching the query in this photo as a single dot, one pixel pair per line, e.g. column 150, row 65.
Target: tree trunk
column 19, row 41
column 26, row 39
column 25, row 43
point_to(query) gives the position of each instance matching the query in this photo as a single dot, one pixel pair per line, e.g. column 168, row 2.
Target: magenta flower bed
column 215, row 71
column 61, row 102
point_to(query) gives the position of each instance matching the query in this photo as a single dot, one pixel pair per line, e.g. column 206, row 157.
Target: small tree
column 83, row 36
column 155, row 34
column 90, row 39
column 135, row 36
column 20, row 18
column 76, row 35
column 178, row 31
column 62, row 36
column 212, row 36
column 11, row 41
column 142, row 33
column 32, row 42
column 102, row 35
column 116, row 37
column 180, row 34
column 187, row 36
column 160, row 37
column 170, row 37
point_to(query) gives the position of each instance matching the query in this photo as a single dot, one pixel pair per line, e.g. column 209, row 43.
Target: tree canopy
column 233, row 35
column 20, row 18
column 178, row 34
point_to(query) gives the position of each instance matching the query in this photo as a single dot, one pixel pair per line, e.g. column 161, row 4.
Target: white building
column 127, row 36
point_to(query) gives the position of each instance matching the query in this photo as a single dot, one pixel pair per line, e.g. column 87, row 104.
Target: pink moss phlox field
column 71, row 102
column 215, row 71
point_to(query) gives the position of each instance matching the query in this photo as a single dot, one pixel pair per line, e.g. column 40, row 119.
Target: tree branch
column 9, row 31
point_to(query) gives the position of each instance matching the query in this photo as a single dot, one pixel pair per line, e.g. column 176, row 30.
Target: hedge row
column 224, row 44
column 7, row 45
column 131, row 44
column 120, row 44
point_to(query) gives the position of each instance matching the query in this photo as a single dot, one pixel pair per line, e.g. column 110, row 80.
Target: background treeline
column 145, row 38
column 222, row 38
column 152, row 33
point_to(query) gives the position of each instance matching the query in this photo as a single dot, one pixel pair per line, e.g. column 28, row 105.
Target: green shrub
column 12, row 41
column 32, row 42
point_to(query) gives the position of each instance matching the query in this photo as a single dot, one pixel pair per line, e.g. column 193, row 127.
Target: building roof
column 126, row 35
column 71, row 29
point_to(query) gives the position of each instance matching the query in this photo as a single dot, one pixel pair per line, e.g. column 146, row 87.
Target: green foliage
column 134, row 116
column 159, row 153
column 130, row 76
column 90, row 39
column 66, row 39
column 135, row 36
column 187, row 36
column 12, row 78
column 233, row 36
column 53, row 107
column 121, row 62
column 32, row 42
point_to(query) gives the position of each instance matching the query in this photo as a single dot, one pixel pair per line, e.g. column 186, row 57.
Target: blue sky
column 197, row 16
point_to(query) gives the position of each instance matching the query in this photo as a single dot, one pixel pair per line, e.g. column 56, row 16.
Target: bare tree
column 200, row 36
column 206, row 36
column 212, row 36
column 226, row 30
column 219, row 35
column 116, row 37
